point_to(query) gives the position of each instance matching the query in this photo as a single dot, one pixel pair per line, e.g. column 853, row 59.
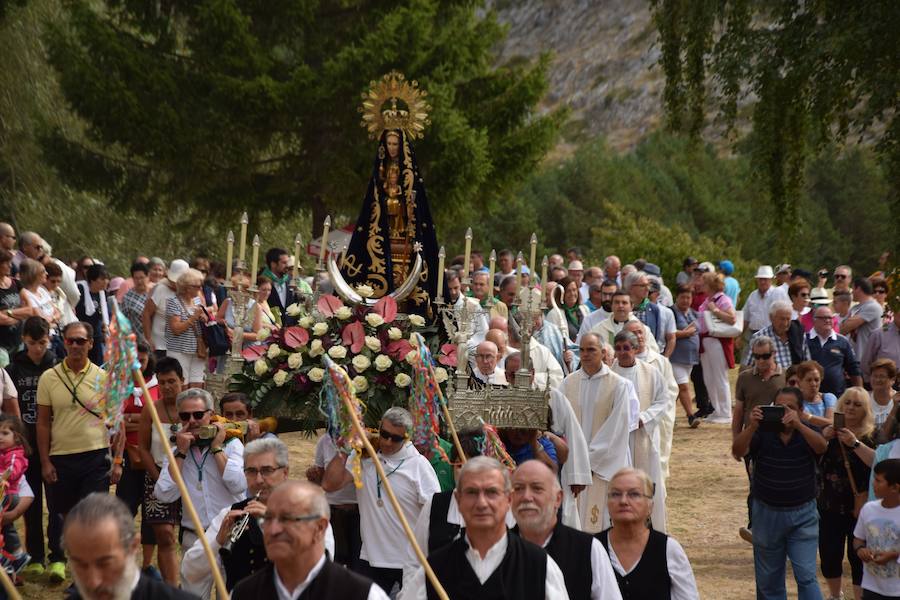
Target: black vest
column 248, row 553
column 440, row 532
column 522, row 574
column 571, row 550
column 650, row 578
column 333, row 581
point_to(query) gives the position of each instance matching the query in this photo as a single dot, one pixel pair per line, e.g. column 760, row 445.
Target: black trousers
column 748, row 465
column 701, row 396
column 836, row 534
column 77, row 476
column 34, row 523
column 870, row 595
column 347, row 540
column 130, row 490
column 385, row 578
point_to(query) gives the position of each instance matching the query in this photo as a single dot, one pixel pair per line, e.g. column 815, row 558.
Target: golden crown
column 383, row 106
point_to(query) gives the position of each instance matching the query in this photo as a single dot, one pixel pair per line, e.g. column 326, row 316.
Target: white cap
column 176, row 269
column 764, row 272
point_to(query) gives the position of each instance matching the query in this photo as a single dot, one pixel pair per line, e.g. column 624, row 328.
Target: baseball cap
column 690, row 260
column 782, row 268
column 651, row 269
column 727, row 266
column 706, row 267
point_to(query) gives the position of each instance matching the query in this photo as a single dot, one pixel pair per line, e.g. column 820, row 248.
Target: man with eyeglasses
column 834, row 352
column 843, row 275
column 265, row 468
column 213, row 472
column 385, row 550
column 72, row 441
column 294, row 528
column 487, row 372
column 864, row 319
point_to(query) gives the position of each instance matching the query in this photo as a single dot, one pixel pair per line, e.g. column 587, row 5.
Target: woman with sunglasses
column 647, row 563
column 881, row 293
column 799, row 295
column 185, row 315
column 850, row 452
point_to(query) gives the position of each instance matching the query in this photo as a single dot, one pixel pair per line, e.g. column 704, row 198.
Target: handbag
column 720, row 329
column 216, row 338
column 859, row 498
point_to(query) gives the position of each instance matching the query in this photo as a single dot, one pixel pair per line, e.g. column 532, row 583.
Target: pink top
column 722, row 301
column 807, row 321
column 14, row 460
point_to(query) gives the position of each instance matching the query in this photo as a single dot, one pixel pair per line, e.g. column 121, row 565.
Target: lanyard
column 200, row 464
column 74, row 389
column 378, row 481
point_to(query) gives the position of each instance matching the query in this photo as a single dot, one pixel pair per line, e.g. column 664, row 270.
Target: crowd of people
column 813, row 415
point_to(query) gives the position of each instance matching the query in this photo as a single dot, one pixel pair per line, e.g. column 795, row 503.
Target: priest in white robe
column 602, row 401
column 608, row 328
column 575, row 473
column 667, row 425
column 546, row 367
column 644, row 443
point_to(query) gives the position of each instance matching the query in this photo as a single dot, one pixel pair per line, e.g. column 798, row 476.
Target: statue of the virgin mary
column 395, row 221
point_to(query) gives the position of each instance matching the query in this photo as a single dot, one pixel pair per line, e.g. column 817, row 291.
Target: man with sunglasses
column 72, row 442
column 385, row 550
column 213, row 472
column 843, row 275
column 294, row 529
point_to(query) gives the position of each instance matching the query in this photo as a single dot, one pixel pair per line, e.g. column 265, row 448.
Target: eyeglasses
column 631, row 495
column 264, row 471
column 485, row 356
column 386, row 435
column 823, row 318
column 880, row 292
column 764, row 356
column 268, row 519
column 196, row 415
column 77, row 341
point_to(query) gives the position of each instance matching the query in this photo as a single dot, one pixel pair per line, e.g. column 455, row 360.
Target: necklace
column 378, row 481
column 173, row 426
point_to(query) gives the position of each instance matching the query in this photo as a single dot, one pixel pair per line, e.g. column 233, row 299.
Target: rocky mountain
column 604, row 63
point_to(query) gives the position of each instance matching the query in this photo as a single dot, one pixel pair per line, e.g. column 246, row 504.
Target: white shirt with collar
column 554, row 587
column 603, row 582
column 756, row 310
column 684, row 586
column 215, row 492
column 498, row 377
column 375, row 592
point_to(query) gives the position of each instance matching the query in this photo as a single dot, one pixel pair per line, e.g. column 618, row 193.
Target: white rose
column 316, row 374
column 394, row 333
column 315, row 348
column 263, row 334
column 382, row 362
column 417, row 320
column 320, row 328
column 374, row 319
column 365, row 291
column 305, row 322
column 360, row 383
column 440, row 374
column 260, row 367
column 280, row 377
column 402, row 380
column 411, row 356
column 295, row 360
column 343, row 313
column 361, row 363
column 337, row 352
column 373, row 343
column 273, row 351
column 293, row 310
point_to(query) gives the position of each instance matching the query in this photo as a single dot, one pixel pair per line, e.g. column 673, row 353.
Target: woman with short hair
column 716, row 354
column 32, row 277
column 818, row 407
column 185, row 315
column 799, row 294
column 882, row 373
column 647, row 563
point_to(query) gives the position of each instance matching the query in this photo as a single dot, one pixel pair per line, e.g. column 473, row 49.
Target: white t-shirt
column 411, row 476
column 325, row 451
column 160, row 294
column 880, row 527
column 881, row 413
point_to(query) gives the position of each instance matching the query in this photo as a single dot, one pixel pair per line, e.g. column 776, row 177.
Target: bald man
column 501, row 340
column 487, row 371
column 293, row 527
column 8, row 237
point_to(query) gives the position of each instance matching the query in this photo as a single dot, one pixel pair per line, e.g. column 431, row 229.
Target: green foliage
column 817, row 72
column 231, row 104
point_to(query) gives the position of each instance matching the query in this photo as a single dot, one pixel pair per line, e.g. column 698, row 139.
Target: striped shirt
column 782, row 348
column 133, row 307
column 186, row 342
column 784, row 475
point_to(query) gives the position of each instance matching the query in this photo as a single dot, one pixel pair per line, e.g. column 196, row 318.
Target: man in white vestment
column 602, row 401
column 651, row 393
column 501, row 340
column 667, row 424
column 608, row 328
column 546, row 367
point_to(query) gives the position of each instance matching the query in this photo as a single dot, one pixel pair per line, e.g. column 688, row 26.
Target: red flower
column 447, row 357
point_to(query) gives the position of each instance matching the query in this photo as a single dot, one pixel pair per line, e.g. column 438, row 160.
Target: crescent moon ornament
column 345, row 291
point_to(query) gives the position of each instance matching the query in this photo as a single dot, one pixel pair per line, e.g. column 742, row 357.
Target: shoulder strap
column 74, row 390
column 847, row 467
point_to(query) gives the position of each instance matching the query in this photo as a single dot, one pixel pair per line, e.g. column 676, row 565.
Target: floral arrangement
column 284, row 374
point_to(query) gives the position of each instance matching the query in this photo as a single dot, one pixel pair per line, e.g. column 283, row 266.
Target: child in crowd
column 13, row 449
column 877, row 535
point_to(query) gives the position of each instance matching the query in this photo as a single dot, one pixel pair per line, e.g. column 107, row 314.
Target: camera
column 823, row 273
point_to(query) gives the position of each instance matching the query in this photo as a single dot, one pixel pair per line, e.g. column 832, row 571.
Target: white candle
column 519, row 260
column 544, row 264
column 255, row 261
column 324, row 247
column 244, row 221
column 492, row 271
column 532, row 257
column 440, row 274
column 229, row 256
column 467, row 265
column 297, row 242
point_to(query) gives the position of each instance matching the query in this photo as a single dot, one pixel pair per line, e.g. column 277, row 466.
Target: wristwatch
column 856, row 444
column 215, row 450
column 180, row 454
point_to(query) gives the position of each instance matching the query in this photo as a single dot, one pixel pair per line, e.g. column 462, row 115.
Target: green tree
column 810, row 73
column 230, row 104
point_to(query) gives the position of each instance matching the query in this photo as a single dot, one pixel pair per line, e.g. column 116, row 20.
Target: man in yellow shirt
column 72, row 439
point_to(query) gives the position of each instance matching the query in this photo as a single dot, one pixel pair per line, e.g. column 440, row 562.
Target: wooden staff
column 443, row 403
column 8, row 586
column 435, row 583
column 221, row 591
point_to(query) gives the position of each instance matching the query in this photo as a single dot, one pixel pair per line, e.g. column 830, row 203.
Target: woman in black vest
column 647, row 563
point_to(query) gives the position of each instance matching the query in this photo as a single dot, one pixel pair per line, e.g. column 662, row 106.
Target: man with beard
column 294, row 528
column 603, row 311
column 100, row 541
column 536, row 498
